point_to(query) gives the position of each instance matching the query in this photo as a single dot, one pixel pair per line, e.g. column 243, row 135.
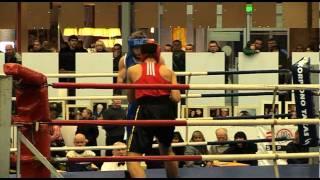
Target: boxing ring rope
column 247, row 122
column 180, row 144
column 182, row 96
column 186, row 87
column 228, row 157
column 187, row 106
column 204, row 73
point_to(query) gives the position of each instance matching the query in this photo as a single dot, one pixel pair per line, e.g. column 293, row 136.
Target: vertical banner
column 304, row 102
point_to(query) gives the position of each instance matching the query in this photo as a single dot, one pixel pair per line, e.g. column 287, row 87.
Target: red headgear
column 150, row 48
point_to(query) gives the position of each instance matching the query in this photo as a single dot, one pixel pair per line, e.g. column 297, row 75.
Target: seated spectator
column 167, row 48
column 250, row 49
column 116, row 166
column 295, row 147
column 178, row 150
column 56, row 139
column 243, row 148
column 80, row 141
column 90, row 132
column 11, row 56
column 189, row 48
column 213, row 47
column 197, row 136
column 221, row 135
column 100, row 46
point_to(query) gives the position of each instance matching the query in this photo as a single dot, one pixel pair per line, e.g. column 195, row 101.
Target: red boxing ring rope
column 119, row 86
column 119, row 122
column 138, row 158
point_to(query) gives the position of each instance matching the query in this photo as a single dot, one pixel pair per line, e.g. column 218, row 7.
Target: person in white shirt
column 118, row 166
column 80, row 141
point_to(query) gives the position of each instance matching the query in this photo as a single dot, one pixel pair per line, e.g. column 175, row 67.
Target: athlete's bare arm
column 133, row 72
column 169, row 75
column 161, row 61
column 175, row 93
column 122, row 71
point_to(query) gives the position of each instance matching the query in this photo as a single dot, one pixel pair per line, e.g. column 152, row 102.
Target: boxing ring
column 288, row 171
column 278, row 171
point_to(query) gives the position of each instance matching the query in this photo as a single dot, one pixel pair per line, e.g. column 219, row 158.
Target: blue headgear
column 136, row 42
column 132, row 43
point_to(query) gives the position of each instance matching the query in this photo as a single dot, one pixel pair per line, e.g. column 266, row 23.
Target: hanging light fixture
column 70, row 31
column 101, row 32
column 86, row 31
column 114, row 32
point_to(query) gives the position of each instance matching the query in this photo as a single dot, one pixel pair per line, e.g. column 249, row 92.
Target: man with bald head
column 118, row 166
column 222, row 135
column 80, row 140
column 11, row 56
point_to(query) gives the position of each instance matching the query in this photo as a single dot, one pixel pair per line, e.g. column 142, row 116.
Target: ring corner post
column 5, row 124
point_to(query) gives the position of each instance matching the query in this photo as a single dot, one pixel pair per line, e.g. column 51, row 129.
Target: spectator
column 90, row 132
column 178, row 150
column 100, row 47
column 67, row 62
column 80, row 141
column 114, row 133
column 80, row 46
column 214, row 47
column 295, row 147
column 224, row 112
column 197, row 136
column 98, row 114
column 179, row 63
column 56, row 139
column 273, row 46
column 243, row 148
column 309, row 49
column 67, row 54
column 167, row 48
column 259, row 44
column 222, row 136
column 36, row 46
column 117, row 51
column 189, row 48
column 117, row 54
column 11, row 56
column 284, row 63
column 299, row 48
column 116, row 166
column 199, row 113
column 46, row 45
column 250, row 49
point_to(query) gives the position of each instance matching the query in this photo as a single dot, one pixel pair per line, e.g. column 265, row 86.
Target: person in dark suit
column 295, row 147
column 114, row 133
column 243, row 148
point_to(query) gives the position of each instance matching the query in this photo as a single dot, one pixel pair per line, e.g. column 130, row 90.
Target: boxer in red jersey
column 152, row 104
